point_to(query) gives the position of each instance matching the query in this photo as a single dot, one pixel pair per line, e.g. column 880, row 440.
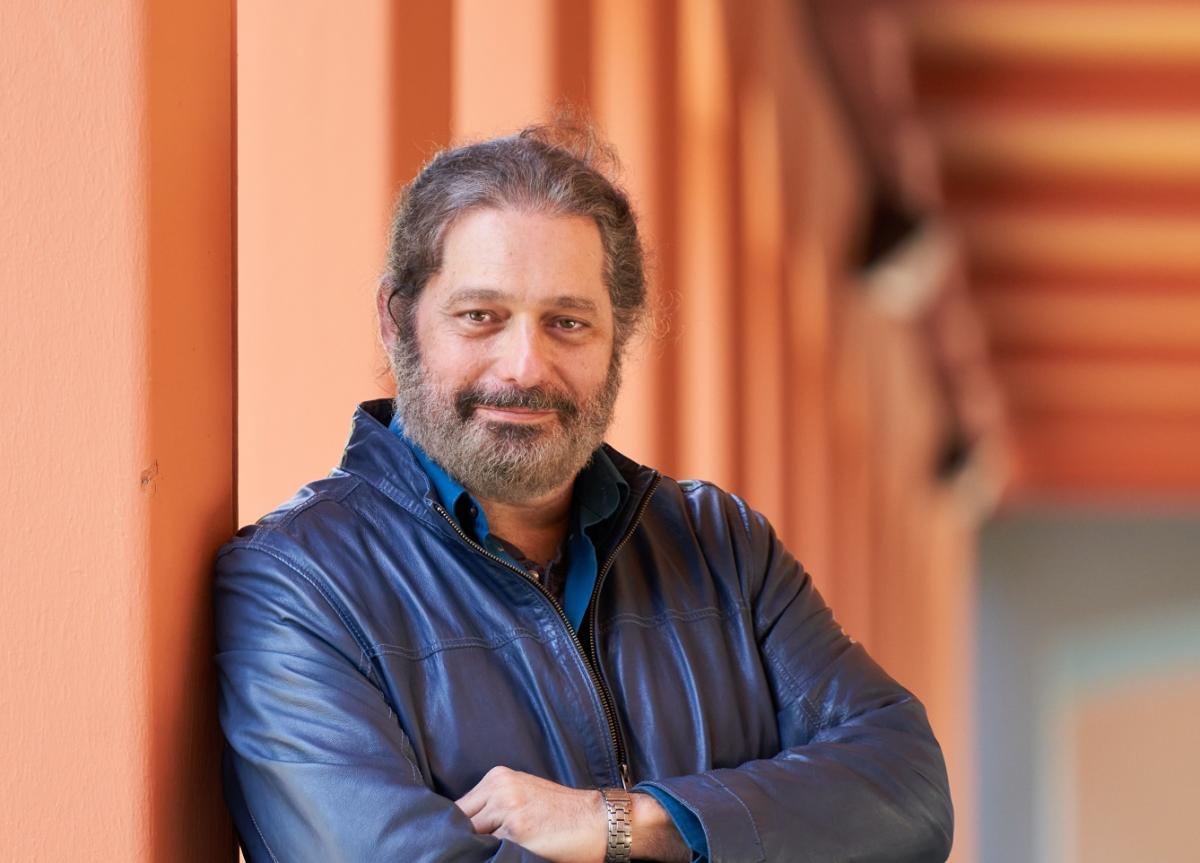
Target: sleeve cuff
column 686, row 821
column 726, row 827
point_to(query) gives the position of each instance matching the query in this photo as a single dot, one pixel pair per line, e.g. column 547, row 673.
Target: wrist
column 655, row 836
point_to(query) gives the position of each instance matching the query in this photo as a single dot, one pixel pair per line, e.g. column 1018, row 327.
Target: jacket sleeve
column 316, row 765
column 860, row 776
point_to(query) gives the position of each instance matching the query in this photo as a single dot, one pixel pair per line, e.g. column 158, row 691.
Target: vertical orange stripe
column 189, row 187
column 315, row 172
column 763, row 416
column 421, row 53
column 504, row 70
column 628, row 108
column 705, row 321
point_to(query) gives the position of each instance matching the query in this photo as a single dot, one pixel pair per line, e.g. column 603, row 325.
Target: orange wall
column 503, row 65
column 116, row 229
column 315, row 183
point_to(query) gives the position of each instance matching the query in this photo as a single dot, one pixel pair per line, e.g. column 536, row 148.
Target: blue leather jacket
column 375, row 663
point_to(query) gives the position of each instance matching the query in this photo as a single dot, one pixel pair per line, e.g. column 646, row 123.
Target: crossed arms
column 318, row 767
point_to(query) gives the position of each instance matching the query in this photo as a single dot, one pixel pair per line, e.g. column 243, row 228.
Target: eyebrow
column 470, row 295
column 579, row 304
column 562, row 301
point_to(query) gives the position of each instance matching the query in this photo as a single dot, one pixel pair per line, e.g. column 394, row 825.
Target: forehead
column 532, row 255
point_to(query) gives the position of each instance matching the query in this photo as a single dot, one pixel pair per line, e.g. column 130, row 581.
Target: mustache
column 532, row 398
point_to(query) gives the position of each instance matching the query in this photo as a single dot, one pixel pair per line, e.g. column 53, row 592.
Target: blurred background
column 930, row 281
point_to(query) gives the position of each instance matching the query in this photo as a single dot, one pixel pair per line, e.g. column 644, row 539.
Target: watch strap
column 619, row 807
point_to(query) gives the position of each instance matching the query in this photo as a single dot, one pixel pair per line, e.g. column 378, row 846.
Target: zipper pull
column 625, row 781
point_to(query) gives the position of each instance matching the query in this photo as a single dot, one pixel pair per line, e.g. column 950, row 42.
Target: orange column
column 766, row 453
column 828, row 401
column 632, row 63
column 116, row 340
column 504, row 65
column 422, row 59
column 318, row 105
column 705, row 322
column 189, row 466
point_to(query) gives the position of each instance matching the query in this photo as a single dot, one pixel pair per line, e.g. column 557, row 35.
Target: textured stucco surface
column 73, row 719
column 116, row 438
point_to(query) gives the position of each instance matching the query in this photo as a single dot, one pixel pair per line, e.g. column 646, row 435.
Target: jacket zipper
column 590, row 661
column 622, row 756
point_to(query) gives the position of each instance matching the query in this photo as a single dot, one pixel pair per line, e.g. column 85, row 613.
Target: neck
column 537, row 526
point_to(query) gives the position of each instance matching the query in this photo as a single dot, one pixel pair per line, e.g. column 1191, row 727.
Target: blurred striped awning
column 1069, row 143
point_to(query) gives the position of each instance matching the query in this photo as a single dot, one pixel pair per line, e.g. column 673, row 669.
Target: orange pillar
column 321, row 97
column 504, row 66
column 116, row 341
column 632, row 52
column 189, row 410
column 763, row 418
column 705, row 321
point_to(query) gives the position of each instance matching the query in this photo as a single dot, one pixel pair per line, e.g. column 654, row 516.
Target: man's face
column 511, row 382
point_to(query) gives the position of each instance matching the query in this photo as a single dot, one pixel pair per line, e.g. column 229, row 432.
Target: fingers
column 474, row 801
column 487, row 820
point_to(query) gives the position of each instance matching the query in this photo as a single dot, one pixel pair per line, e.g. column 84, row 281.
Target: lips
column 518, row 414
column 533, row 403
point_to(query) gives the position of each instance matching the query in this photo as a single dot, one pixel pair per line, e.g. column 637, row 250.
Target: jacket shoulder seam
column 394, row 493
column 657, row 620
column 427, row 650
column 322, row 496
column 692, row 486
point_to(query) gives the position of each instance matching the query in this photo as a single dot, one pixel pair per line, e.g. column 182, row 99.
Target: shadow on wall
column 1088, row 687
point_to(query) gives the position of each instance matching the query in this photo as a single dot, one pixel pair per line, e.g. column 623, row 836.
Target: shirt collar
column 599, row 490
column 450, row 493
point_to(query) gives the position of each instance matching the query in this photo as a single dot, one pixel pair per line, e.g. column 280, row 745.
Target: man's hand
column 562, row 824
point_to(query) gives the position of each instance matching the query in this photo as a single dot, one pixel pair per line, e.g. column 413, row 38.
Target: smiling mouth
column 517, row 415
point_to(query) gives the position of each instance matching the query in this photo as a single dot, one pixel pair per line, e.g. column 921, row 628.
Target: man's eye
column 570, row 324
column 476, row 316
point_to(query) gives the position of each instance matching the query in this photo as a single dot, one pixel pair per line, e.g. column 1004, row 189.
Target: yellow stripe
column 1160, row 245
column 1108, row 146
column 1138, row 32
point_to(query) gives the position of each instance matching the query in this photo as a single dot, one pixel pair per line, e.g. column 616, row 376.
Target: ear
column 387, row 327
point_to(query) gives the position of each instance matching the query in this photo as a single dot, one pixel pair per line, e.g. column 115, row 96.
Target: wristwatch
column 619, row 805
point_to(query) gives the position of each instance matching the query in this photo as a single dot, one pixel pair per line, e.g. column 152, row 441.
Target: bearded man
column 489, row 636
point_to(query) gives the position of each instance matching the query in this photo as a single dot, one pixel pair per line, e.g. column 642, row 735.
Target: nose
column 524, row 355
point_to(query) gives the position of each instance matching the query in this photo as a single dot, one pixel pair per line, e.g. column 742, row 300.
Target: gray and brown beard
column 505, row 462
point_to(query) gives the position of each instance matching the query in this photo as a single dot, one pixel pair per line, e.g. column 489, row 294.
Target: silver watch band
column 619, row 806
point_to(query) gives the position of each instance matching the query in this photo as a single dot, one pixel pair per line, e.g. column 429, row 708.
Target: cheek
column 588, row 374
column 452, row 361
